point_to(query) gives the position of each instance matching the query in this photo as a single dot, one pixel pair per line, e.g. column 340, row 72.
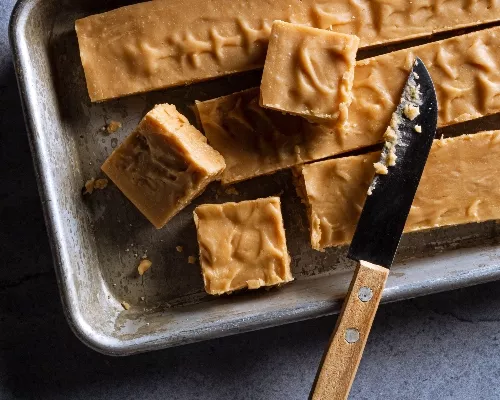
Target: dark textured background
column 440, row 347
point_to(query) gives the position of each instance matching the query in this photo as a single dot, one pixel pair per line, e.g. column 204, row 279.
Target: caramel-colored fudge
column 465, row 70
column 242, row 245
column 460, row 184
column 256, row 141
column 163, row 164
column 159, row 44
column 309, row 72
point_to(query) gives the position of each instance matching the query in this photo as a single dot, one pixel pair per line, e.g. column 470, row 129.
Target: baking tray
column 97, row 240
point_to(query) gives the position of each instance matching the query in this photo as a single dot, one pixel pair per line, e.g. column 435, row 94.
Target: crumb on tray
column 93, row 184
column 125, row 305
column 192, row 260
column 100, row 183
column 89, row 186
column 179, row 249
column 113, row 126
column 144, row 265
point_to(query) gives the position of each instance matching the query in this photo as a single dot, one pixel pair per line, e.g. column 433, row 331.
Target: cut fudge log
column 460, row 185
column 159, row 44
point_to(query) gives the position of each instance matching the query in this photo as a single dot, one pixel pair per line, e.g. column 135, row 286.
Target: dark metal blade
column 386, row 209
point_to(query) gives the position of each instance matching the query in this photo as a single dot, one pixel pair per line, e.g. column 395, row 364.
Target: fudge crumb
column 179, row 249
column 100, row 183
column 192, row 260
column 418, row 128
column 125, row 305
column 414, row 91
column 391, row 159
column 380, row 168
column 113, row 126
column 93, row 184
column 232, row 190
column 390, row 135
column 144, row 265
column 143, row 298
column 89, row 186
column 411, row 112
column 394, row 121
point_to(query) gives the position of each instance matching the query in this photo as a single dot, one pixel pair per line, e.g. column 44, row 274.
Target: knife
column 408, row 141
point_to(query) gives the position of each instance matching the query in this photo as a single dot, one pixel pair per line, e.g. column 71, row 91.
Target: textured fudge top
column 460, row 184
column 158, row 44
column 242, row 245
column 309, row 71
column 163, row 164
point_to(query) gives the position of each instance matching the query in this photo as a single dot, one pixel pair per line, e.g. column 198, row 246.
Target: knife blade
column 386, row 208
column 408, row 140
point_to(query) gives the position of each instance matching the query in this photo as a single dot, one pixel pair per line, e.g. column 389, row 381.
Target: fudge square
column 163, row 164
column 309, row 71
column 242, row 245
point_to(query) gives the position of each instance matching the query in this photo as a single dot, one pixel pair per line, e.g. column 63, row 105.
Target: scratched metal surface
column 98, row 240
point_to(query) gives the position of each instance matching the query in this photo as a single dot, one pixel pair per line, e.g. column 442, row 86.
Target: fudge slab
column 159, row 44
column 242, row 245
column 465, row 70
column 309, row 72
column 460, row 185
column 257, row 141
column 163, row 164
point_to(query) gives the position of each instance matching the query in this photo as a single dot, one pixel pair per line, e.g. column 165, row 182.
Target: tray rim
column 112, row 346
column 57, row 243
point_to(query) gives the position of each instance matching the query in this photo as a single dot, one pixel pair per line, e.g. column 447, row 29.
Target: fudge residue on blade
column 409, row 108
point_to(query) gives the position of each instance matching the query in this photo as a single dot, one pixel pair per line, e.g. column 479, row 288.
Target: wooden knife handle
column 341, row 360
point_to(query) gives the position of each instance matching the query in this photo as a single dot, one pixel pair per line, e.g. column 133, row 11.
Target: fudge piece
column 159, row 44
column 460, row 184
column 465, row 70
column 242, row 245
column 163, row 164
column 309, row 71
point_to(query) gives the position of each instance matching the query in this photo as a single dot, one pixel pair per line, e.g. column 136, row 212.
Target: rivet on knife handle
column 342, row 358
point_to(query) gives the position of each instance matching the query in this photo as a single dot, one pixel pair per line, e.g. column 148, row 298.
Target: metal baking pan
column 97, row 240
